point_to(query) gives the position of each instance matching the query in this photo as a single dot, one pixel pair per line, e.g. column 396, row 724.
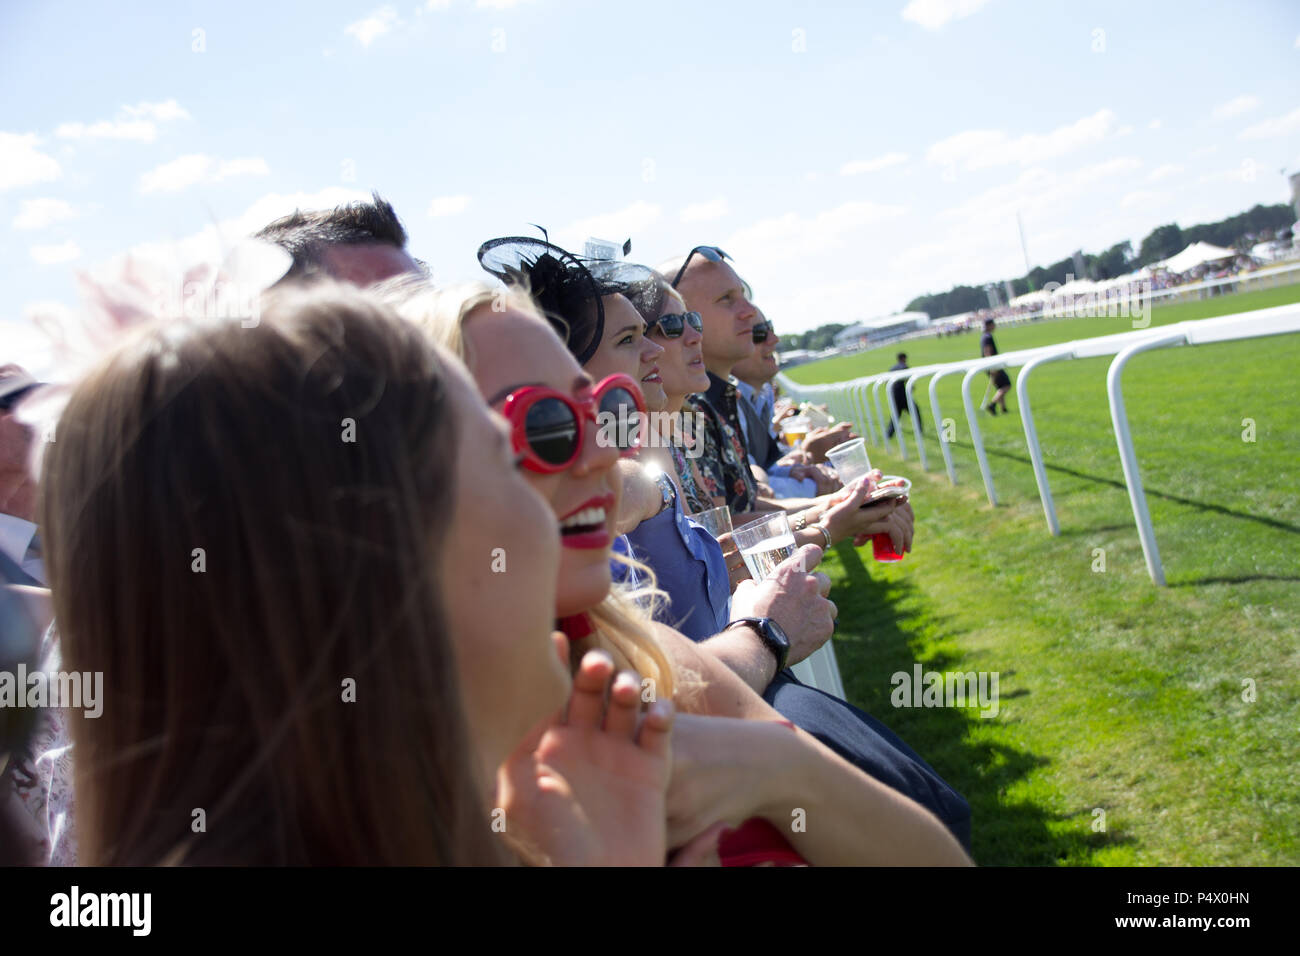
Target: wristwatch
column 770, row 633
column 667, row 491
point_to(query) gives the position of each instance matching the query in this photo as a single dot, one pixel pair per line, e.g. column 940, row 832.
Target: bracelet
column 827, row 532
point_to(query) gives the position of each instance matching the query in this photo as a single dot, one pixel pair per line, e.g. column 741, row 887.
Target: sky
column 848, row 156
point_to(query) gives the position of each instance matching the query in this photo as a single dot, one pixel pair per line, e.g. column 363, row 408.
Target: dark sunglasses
column 711, row 253
column 547, row 427
column 9, row 401
column 762, row 331
column 674, row 324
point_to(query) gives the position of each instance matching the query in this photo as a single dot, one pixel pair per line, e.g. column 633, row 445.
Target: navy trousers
column 870, row 746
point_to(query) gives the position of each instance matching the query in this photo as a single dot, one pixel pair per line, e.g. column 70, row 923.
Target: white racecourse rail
column 848, row 400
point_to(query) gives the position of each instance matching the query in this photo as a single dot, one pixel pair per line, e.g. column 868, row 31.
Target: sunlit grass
column 1116, row 696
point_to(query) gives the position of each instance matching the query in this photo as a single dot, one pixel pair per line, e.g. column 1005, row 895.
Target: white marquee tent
column 1196, row 254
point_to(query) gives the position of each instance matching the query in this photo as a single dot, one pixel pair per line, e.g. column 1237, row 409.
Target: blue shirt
column 690, row 568
column 763, row 403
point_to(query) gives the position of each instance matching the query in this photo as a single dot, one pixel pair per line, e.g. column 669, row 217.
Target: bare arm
column 640, row 498
column 715, row 689
column 734, row 769
column 796, row 598
column 752, row 766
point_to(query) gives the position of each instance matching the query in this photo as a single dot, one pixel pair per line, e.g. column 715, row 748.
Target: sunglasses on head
column 711, row 253
column 548, row 428
column 674, row 324
column 762, row 331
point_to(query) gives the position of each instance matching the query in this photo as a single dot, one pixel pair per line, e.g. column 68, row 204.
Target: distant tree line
column 1238, row 232
column 815, row 341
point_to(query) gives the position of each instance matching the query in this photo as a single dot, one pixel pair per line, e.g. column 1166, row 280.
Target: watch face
column 774, row 630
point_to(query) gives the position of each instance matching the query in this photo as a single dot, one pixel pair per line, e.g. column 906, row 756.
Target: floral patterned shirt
column 696, row 499
column 40, row 774
column 724, row 465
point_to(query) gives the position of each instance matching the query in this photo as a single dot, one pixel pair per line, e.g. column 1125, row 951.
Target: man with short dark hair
column 999, row 376
column 756, row 401
column 360, row 242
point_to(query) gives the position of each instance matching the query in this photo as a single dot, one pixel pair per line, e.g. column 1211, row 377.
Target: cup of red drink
column 882, row 548
column 889, row 486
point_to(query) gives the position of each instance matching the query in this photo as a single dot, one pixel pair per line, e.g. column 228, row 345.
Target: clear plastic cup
column 850, row 460
column 795, row 428
column 716, row 521
column 765, row 543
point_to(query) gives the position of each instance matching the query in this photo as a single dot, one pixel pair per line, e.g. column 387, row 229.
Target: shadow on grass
column 1151, row 492
column 874, row 644
column 1242, row 579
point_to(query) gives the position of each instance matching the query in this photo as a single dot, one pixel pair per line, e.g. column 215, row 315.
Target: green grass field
column 1120, row 703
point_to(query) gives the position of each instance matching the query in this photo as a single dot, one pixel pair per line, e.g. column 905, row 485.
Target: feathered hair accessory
column 135, row 291
column 566, row 288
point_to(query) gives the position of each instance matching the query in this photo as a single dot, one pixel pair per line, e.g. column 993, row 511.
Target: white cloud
column 1140, row 197
column 437, row 4
column 499, row 4
column 142, row 131
column 448, row 205
column 857, row 167
column 368, row 29
column 158, row 112
column 1277, row 126
column 39, row 213
column 980, row 149
column 1155, row 123
column 933, row 14
column 1039, row 193
column 1235, row 107
column 797, row 244
column 138, row 123
column 186, row 171
column 1247, row 172
column 620, row 224
column 1297, row 41
column 704, row 211
column 54, row 254
column 1164, row 172
column 213, row 240
column 22, row 164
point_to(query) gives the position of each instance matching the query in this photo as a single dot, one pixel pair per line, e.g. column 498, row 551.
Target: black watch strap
column 770, row 633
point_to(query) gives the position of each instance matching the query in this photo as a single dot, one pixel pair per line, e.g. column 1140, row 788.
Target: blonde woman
column 744, row 765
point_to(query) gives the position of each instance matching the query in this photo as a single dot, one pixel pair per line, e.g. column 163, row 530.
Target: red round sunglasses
column 548, row 427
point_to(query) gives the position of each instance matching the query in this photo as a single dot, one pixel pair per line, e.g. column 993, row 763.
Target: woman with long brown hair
column 321, row 595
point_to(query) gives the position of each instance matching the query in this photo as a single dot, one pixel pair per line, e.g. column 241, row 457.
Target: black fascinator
column 567, row 288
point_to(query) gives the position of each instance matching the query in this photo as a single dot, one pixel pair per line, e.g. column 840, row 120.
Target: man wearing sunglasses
column 756, row 400
column 712, row 288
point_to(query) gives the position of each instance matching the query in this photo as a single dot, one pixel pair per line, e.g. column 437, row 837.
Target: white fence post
column 1031, row 436
column 1128, row 458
